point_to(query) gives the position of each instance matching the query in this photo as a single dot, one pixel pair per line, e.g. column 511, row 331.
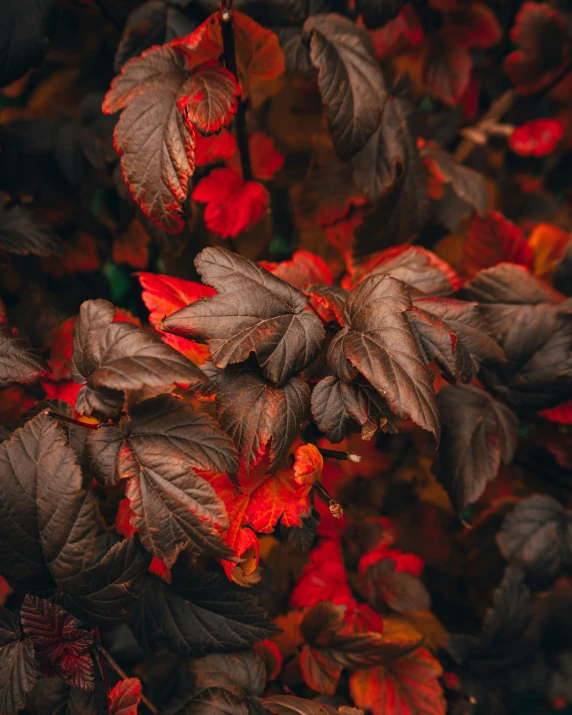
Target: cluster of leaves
column 314, row 457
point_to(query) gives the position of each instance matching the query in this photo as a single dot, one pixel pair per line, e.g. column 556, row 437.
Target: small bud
column 335, row 509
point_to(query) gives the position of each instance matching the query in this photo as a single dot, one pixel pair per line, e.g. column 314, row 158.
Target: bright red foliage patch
column 232, row 205
column 536, row 138
column 265, row 159
column 125, row 697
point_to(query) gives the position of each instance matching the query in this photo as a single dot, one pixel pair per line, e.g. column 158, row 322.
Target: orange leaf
column 407, row 685
column 305, row 269
column 131, row 247
column 548, row 244
column 266, row 160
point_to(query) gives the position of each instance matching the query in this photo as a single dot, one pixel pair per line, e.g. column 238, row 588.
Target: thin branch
column 122, row 674
column 338, row 454
column 229, row 49
column 335, row 507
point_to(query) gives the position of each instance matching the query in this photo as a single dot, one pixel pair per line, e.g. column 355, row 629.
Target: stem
column 122, row 674
column 337, row 454
column 70, row 421
column 335, row 507
column 229, row 49
column 101, row 665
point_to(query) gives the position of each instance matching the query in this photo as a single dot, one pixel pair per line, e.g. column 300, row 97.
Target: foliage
column 314, row 456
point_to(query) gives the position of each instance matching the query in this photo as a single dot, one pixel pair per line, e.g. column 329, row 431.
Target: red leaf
column 447, row 70
column 209, row 97
column 218, row 147
column 541, row 34
column 159, row 568
column 399, row 35
column 561, row 414
column 232, row 204
column 80, row 257
column 536, row 138
column 163, row 296
column 407, row 685
column 61, row 649
column 124, row 519
column 305, row 269
column 61, row 345
column 266, row 160
column 494, row 239
column 270, row 654
column 125, row 697
column 411, row 563
column 65, row 390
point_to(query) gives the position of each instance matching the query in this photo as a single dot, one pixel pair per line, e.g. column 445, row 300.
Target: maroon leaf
column 155, row 143
column 331, row 297
column 61, row 649
column 17, row 669
column 18, row 362
column 125, row 697
column 254, row 312
column 447, row 69
column 479, row 433
column 400, row 590
column 379, row 343
column 112, row 356
column 335, row 403
column 260, row 417
column 209, row 97
column 349, row 78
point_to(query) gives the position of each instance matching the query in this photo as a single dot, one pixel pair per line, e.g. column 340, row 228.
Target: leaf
column 447, row 69
column 199, row 616
column 260, row 417
column 131, row 247
column 413, row 265
column 18, row 362
column 291, row 705
column 17, row 669
column 494, row 239
column 377, row 14
column 47, row 518
column 61, row 649
column 400, row 590
column 211, row 149
column 209, row 98
column 533, row 536
column 113, row 356
column 329, row 649
column 536, row 138
column 26, row 28
column 378, row 342
column 253, row 312
column 304, row 270
column 479, row 433
column 125, row 697
column 548, row 244
column 327, row 195
column 562, row 278
column 394, row 179
column 232, row 204
column 535, row 335
column 468, row 185
column 159, row 450
column 335, row 403
column 408, row 685
column 265, row 159
column 500, row 645
column 541, row 34
column 155, row 143
column 474, row 343
column 349, row 79
column 22, row 234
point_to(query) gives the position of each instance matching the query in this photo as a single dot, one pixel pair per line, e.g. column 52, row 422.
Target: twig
column 229, row 49
column 122, row 674
column 69, row 420
column 335, row 507
column 338, row 454
column 101, row 665
column 497, row 110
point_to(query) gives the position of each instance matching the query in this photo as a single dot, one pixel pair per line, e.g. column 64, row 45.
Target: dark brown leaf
column 254, row 312
column 400, row 590
column 379, row 343
column 21, row 234
column 109, row 357
column 18, row 362
column 17, row 669
column 479, row 433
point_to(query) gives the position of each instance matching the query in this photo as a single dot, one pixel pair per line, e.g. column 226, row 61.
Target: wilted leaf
column 479, row 433
column 254, row 311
